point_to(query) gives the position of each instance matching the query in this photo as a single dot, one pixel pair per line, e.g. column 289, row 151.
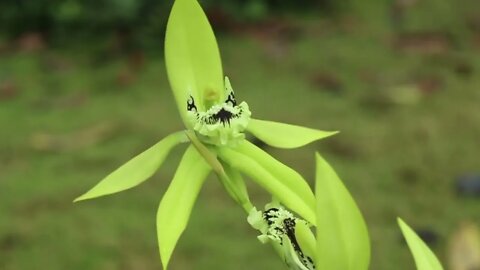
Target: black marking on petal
column 223, row 116
column 311, row 262
column 231, row 99
column 285, row 227
column 270, row 214
column 191, row 104
column 289, row 225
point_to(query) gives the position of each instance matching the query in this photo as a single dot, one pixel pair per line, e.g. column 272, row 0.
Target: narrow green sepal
column 137, row 170
column 284, row 135
column 342, row 236
column 425, row 259
column 177, row 203
column 289, row 177
column 236, row 187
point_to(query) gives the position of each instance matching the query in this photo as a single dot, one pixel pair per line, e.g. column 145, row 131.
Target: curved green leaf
column 287, row 175
column 177, row 203
column 276, row 186
column 342, row 236
column 424, row 257
column 135, row 171
column 284, row 135
column 192, row 56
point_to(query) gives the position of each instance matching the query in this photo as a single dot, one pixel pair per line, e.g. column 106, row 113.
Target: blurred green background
column 83, row 88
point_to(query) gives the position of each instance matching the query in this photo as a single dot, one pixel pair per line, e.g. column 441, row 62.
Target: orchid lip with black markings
column 223, row 123
column 223, row 115
column 282, row 223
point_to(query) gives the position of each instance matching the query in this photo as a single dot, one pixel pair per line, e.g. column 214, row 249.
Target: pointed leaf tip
column 135, row 171
column 424, row 258
column 177, row 203
column 342, row 236
column 285, row 135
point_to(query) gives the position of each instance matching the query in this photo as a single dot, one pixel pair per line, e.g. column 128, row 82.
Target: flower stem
column 217, row 167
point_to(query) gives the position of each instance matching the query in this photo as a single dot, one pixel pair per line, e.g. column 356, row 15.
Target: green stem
column 217, row 167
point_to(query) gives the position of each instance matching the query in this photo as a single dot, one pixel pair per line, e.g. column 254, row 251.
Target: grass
column 74, row 118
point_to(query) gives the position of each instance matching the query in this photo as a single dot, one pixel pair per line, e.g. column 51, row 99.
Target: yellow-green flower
column 215, row 128
column 341, row 239
column 280, row 228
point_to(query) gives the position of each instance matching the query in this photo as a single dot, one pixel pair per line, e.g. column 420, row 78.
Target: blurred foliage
column 141, row 24
column 399, row 78
column 138, row 23
column 62, row 19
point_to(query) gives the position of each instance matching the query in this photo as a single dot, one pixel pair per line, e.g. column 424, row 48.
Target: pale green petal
column 255, row 219
column 278, row 187
column 424, row 257
column 290, row 256
column 192, row 57
column 177, row 203
column 289, row 177
column 342, row 236
column 235, row 186
column 137, row 170
column 306, row 239
column 284, row 135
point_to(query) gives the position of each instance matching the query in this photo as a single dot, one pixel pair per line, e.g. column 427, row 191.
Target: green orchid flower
column 341, row 240
column 281, row 228
column 215, row 129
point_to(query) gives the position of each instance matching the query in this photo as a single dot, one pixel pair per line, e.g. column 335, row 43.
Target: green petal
column 278, row 187
column 424, row 257
column 290, row 256
column 284, row 135
column 305, row 239
column 177, row 203
column 285, row 174
column 235, row 186
column 135, row 171
column 192, row 57
column 342, row 236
